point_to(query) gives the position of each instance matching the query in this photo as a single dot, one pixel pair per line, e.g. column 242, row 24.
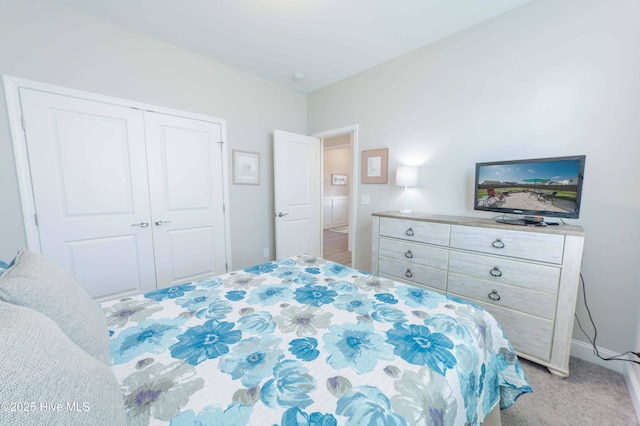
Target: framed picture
column 338, row 179
column 246, row 168
column 374, row 165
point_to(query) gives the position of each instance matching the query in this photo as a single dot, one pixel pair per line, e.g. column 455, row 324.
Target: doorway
column 338, row 194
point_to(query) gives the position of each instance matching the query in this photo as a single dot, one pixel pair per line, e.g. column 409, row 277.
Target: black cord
column 595, row 333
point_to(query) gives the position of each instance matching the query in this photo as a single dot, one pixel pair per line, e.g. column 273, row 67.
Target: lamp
column 406, row 176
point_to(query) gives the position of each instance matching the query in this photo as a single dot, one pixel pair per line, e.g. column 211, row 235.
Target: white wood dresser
column 527, row 277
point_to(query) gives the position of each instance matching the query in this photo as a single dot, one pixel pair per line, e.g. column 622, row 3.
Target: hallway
column 335, row 247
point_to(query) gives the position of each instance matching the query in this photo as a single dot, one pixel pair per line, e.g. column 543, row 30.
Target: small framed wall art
column 246, row 167
column 374, row 165
column 338, row 179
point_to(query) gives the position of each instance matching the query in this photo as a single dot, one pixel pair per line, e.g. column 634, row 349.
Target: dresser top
column 486, row 223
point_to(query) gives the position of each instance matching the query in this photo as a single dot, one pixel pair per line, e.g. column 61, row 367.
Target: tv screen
column 550, row 187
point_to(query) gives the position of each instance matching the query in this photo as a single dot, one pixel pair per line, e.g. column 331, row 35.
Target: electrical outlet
column 265, row 252
column 364, row 200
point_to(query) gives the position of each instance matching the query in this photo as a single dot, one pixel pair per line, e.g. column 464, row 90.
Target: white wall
column 336, row 161
column 49, row 43
column 548, row 79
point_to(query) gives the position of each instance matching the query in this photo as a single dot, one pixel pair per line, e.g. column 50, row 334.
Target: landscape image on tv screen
column 550, row 187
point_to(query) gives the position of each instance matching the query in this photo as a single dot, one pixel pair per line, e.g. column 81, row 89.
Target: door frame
column 353, row 189
column 12, row 86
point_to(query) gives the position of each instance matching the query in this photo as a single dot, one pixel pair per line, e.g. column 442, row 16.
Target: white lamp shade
column 407, row 176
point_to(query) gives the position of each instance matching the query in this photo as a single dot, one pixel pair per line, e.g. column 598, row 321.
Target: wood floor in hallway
column 335, row 247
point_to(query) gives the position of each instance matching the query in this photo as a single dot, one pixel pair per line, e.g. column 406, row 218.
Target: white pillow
column 37, row 283
column 47, row 379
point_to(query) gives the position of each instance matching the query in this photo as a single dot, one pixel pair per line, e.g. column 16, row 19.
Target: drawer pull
column 495, row 272
column 410, row 232
column 408, row 274
column 494, row 295
column 498, row 244
column 408, row 254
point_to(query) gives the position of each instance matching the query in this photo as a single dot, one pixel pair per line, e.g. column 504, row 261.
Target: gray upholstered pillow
column 46, row 379
column 37, row 283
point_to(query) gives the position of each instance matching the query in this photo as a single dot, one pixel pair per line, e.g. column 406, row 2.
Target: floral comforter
column 304, row 341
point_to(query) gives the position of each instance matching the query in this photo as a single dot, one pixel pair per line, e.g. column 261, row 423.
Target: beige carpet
column 591, row 395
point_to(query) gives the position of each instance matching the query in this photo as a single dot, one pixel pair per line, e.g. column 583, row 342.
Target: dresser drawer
column 525, row 245
column 532, row 302
column 414, row 253
column 411, row 230
column 527, row 275
column 418, row 274
column 528, row 335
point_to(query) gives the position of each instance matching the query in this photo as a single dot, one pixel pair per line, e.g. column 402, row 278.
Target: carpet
column 591, row 395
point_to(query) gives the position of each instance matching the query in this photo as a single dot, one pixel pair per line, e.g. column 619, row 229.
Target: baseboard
column 633, row 386
column 584, row 351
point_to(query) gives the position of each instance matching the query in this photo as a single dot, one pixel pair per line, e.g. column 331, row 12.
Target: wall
column 548, row 79
column 336, row 160
column 632, row 374
column 50, row 43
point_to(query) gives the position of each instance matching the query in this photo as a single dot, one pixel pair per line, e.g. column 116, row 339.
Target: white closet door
column 186, row 187
column 88, row 170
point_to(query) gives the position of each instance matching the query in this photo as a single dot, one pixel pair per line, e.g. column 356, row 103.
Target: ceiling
column 326, row 40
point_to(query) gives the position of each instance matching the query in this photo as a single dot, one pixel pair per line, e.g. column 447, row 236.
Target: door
column 126, row 201
column 297, row 186
column 187, row 209
column 89, row 180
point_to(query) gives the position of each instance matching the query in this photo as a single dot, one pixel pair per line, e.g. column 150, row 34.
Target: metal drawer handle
column 495, row 272
column 408, row 254
column 498, row 244
column 408, row 274
column 494, row 295
column 141, row 224
column 409, row 232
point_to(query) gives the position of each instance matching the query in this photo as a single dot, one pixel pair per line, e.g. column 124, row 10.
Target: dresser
column 527, row 277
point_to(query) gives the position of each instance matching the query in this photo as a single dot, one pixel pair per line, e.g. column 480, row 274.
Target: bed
column 304, row 341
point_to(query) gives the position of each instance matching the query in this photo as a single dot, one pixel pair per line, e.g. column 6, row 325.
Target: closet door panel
column 113, row 264
column 88, row 170
column 185, row 242
column 187, row 170
column 185, row 182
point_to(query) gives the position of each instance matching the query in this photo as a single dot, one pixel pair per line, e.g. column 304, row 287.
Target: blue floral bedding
column 304, row 341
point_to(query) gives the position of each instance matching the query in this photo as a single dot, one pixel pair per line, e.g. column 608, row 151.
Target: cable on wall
column 595, row 333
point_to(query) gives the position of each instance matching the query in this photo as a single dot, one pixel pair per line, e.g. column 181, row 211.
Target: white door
column 89, row 180
column 297, row 186
column 186, row 187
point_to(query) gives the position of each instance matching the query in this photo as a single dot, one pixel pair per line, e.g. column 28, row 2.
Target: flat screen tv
column 541, row 187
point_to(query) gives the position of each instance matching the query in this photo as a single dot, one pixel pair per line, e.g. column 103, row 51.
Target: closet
column 125, row 199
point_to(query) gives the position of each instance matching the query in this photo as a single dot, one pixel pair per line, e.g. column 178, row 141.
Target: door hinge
column 35, row 218
column 224, row 209
column 22, row 123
